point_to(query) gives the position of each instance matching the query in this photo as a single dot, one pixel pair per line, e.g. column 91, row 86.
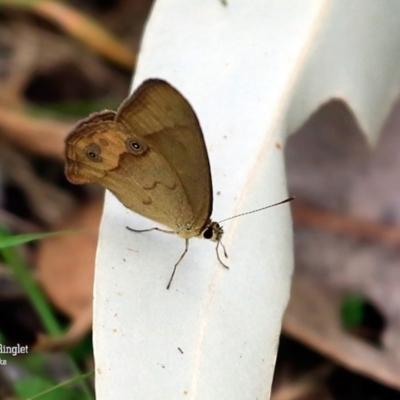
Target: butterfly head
column 213, row 231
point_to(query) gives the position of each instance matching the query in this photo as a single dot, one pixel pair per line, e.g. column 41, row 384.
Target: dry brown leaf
column 82, row 27
column 313, row 317
column 65, row 269
column 330, row 165
column 86, row 30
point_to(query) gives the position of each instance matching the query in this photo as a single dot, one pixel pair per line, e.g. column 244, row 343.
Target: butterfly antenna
column 259, row 209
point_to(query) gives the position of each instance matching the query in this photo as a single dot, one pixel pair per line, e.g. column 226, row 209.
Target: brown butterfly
column 152, row 156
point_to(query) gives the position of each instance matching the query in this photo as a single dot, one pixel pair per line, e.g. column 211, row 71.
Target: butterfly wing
column 160, row 114
column 78, row 167
column 152, row 157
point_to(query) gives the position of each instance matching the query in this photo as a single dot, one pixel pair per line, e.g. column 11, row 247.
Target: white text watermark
column 13, row 350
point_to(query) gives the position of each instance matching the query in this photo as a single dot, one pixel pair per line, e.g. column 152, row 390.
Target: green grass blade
column 9, row 241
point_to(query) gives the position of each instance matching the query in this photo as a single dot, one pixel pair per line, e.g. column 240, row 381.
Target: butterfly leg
column 178, row 262
column 225, row 253
column 148, row 230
